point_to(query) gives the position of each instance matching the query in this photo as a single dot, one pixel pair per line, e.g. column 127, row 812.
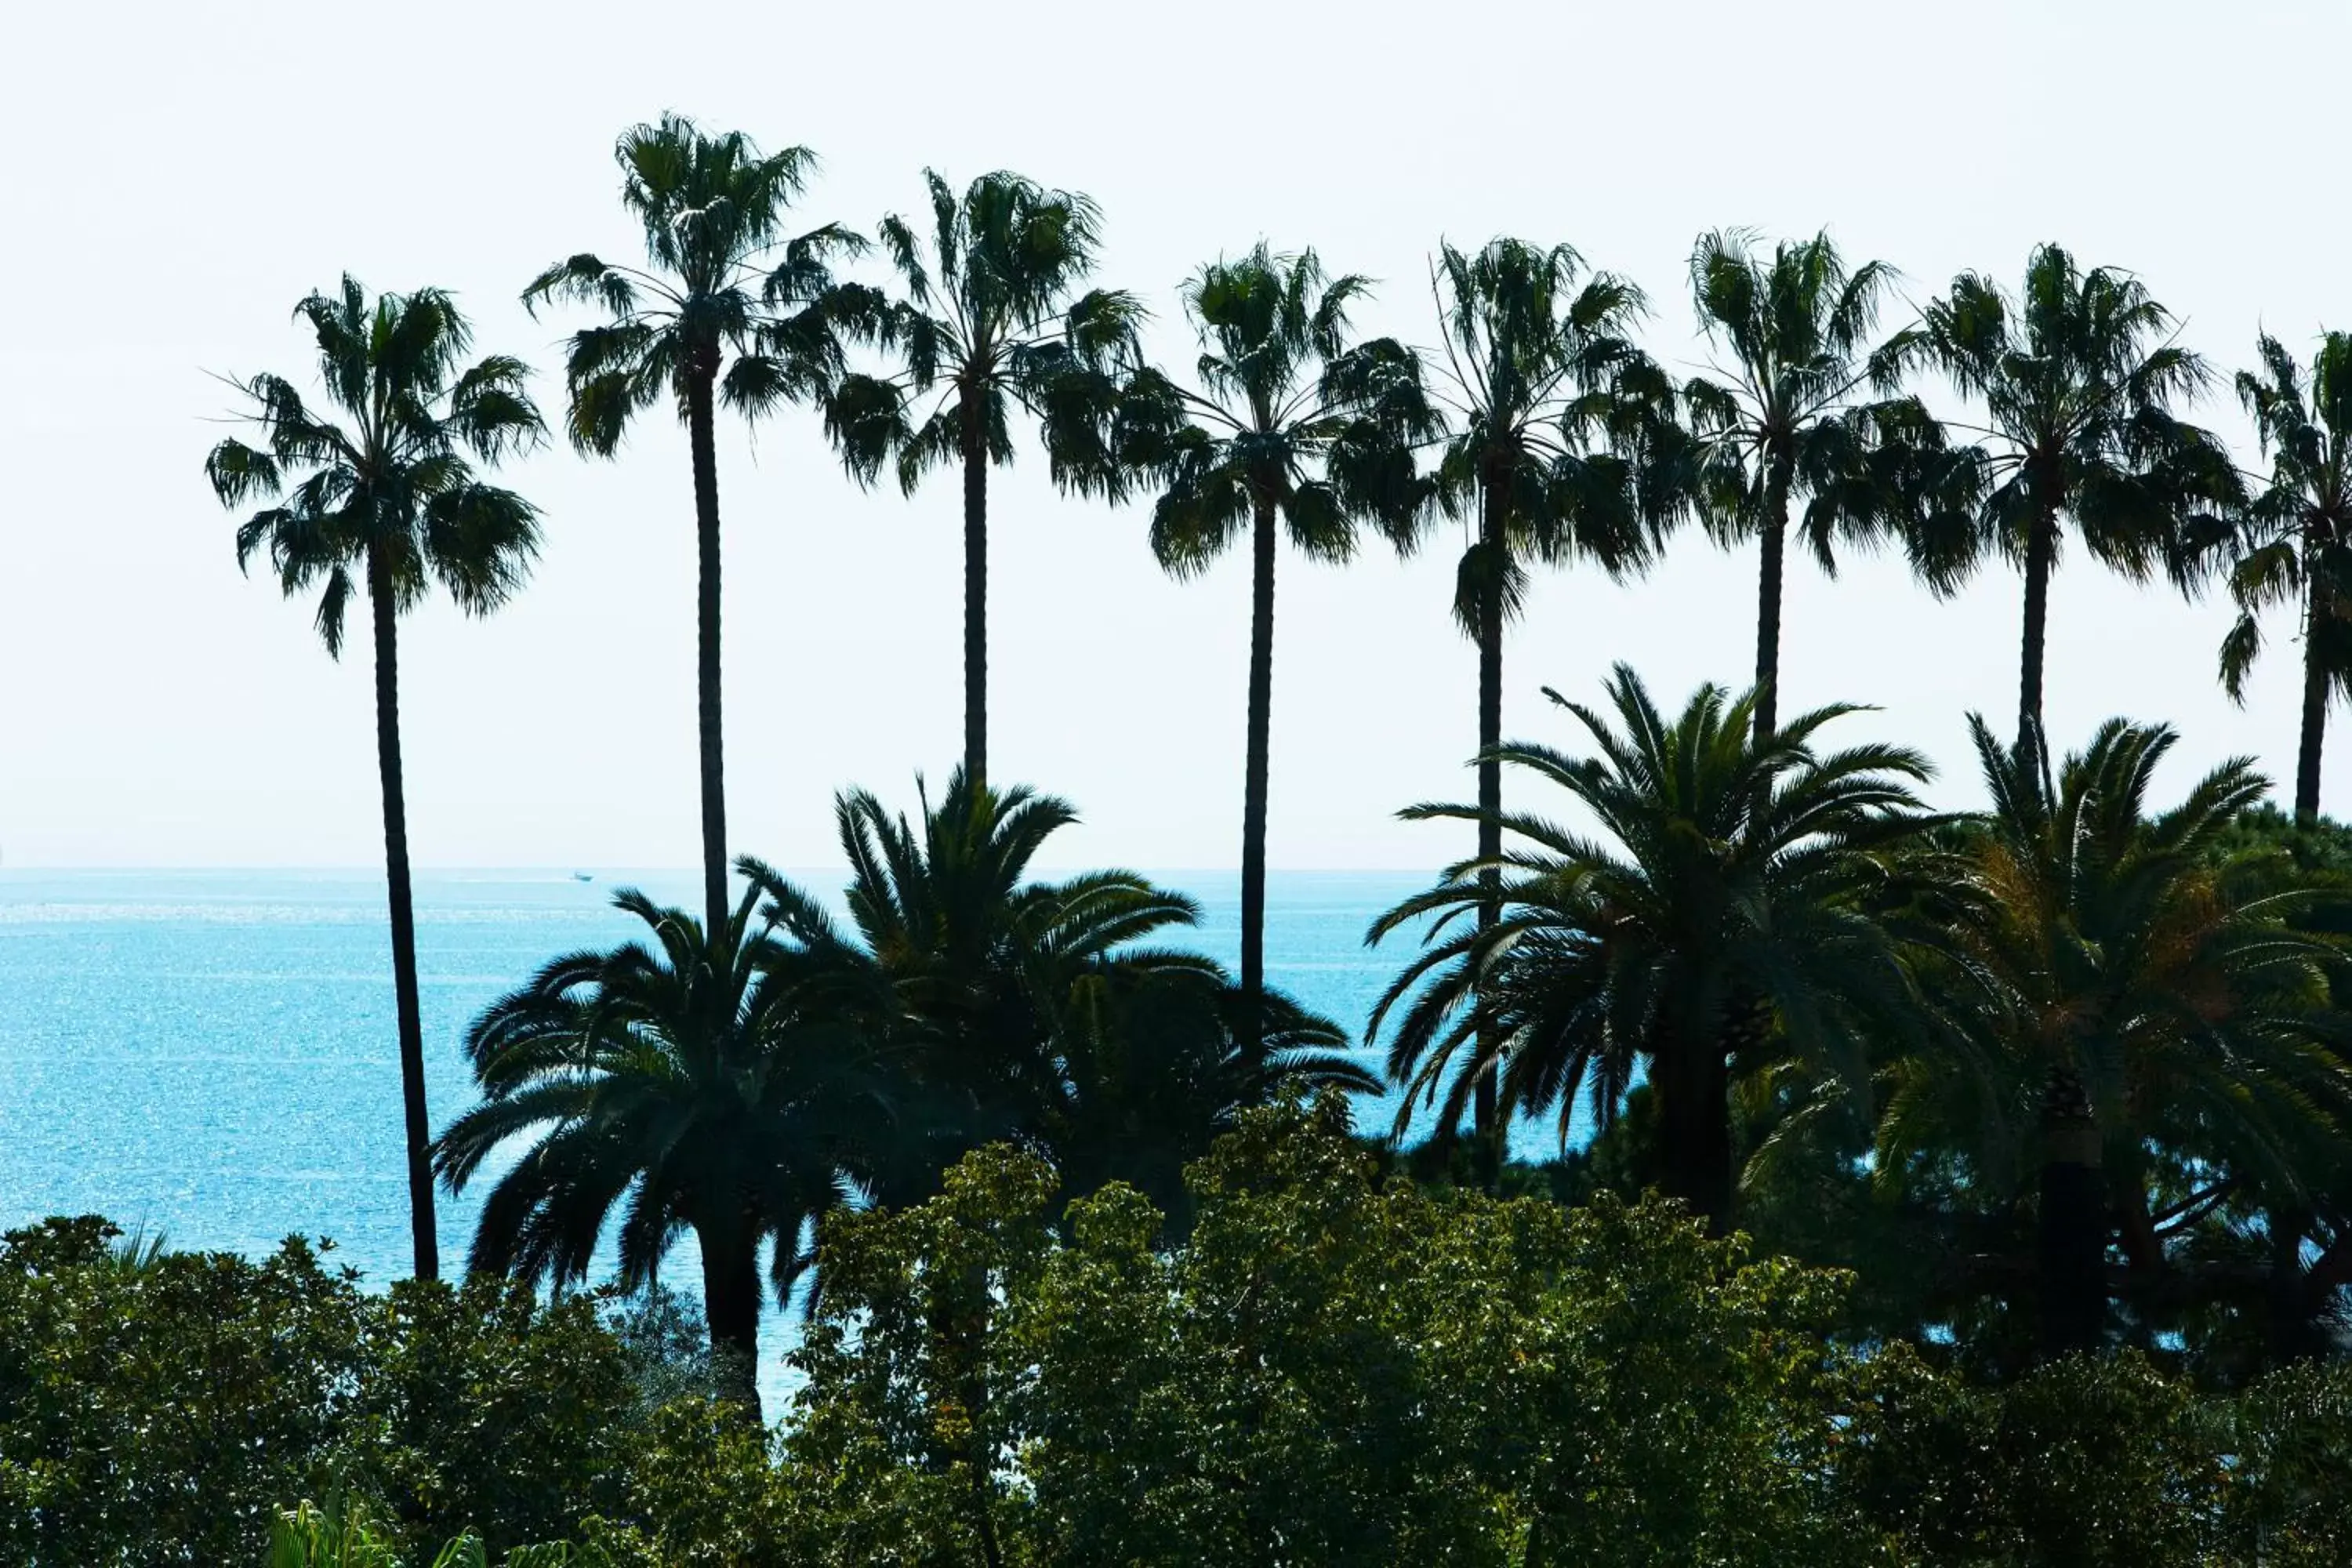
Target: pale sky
column 183, row 173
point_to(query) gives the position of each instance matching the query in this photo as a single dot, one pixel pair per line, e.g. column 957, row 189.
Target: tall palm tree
column 692, row 1081
column 1555, row 421
column 2080, row 374
column 730, row 311
column 1803, row 409
column 1728, row 897
column 2297, row 540
column 1043, row 1012
column 1295, row 430
column 2130, row 984
column 377, row 496
column 992, row 322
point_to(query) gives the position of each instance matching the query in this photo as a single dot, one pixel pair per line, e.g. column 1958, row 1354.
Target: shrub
column 161, row 1415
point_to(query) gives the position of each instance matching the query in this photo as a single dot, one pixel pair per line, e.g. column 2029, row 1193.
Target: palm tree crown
column 993, row 323
column 693, row 1081
column 722, row 281
column 390, row 495
column 725, row 285
column 1045, row 1011
column 1803, row 409
column 2079, row 376
column 1731, row 895
column 1294, row 427
column 2295, row 535
column 386, row 502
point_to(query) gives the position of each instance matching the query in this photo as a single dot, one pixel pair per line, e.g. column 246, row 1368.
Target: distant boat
column 582, row 877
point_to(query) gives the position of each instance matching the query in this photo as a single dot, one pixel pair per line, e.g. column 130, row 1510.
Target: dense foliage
column 1334, row 1368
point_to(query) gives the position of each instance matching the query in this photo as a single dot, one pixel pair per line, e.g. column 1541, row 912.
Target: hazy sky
column 183, row 173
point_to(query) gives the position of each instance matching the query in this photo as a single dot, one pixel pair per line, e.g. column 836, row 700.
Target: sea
column 211, row 1054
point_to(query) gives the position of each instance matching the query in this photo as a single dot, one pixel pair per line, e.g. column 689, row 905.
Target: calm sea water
column 211, row 1053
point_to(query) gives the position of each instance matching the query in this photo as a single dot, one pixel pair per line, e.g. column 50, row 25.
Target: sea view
column 211, row 1054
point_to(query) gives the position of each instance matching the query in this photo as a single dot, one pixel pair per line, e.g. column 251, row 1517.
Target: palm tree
column 723, row 282
column 2137, row 988
column 1793, row 415
column 1043, row 1012
column 692, row 1080
column 1729, row 895
column 2079, row 374
column 991, row 323
column 1557, row 422
column 1295, row 430
column 1160, row 1057
column 386, row 503
column 2297, row 535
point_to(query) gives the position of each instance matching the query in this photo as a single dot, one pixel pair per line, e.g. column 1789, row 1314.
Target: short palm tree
column 2080, row 374
column 1558, row 443
column 1804, row 409
column 1160, row 1054
column 730, row 311
column 992, row 324
column 2296, row 538
column 688, row 1081
column 377, row 496
column 1045, row 1012
column 1730, row 895
column 1295, row 430
column 2126, row 986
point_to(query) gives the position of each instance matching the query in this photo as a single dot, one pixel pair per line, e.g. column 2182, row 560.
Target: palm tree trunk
column 2071, row 1229
column 975, row 591
column 1768, row 600
column 1255, row 767
column 425, row 1242
column 700, row 383
column 1490, row 781
column 2315, row 706
column 1694, row 1087
column 2040, row 542
column 731, row 1303
column 2293, row 1334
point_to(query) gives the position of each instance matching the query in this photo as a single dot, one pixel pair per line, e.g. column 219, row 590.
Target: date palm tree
column 993, row 323
column 1555, row 425
column 1295, row 431
column 377, row 496
column 1804, row 409
column 1045, row 1012
column 2127, row 988
column 1726, row 903
column 691, row 1081
column 2080, row 375
column 729, row 310
column 2296, row 539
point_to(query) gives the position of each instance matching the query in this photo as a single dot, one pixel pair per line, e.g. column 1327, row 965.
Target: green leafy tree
column 162, row 1415
column 378, row 494
column 1558, row 447
column 2080, row 375
column 1802, row 410
column 1045, row 1011
column 1332, row 1370
column 729, row 310
column 1295, row 430
column 2296, row 539
column 1729, row 898
column 992, row 324
column 699, row 1081
column 2127, row 991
